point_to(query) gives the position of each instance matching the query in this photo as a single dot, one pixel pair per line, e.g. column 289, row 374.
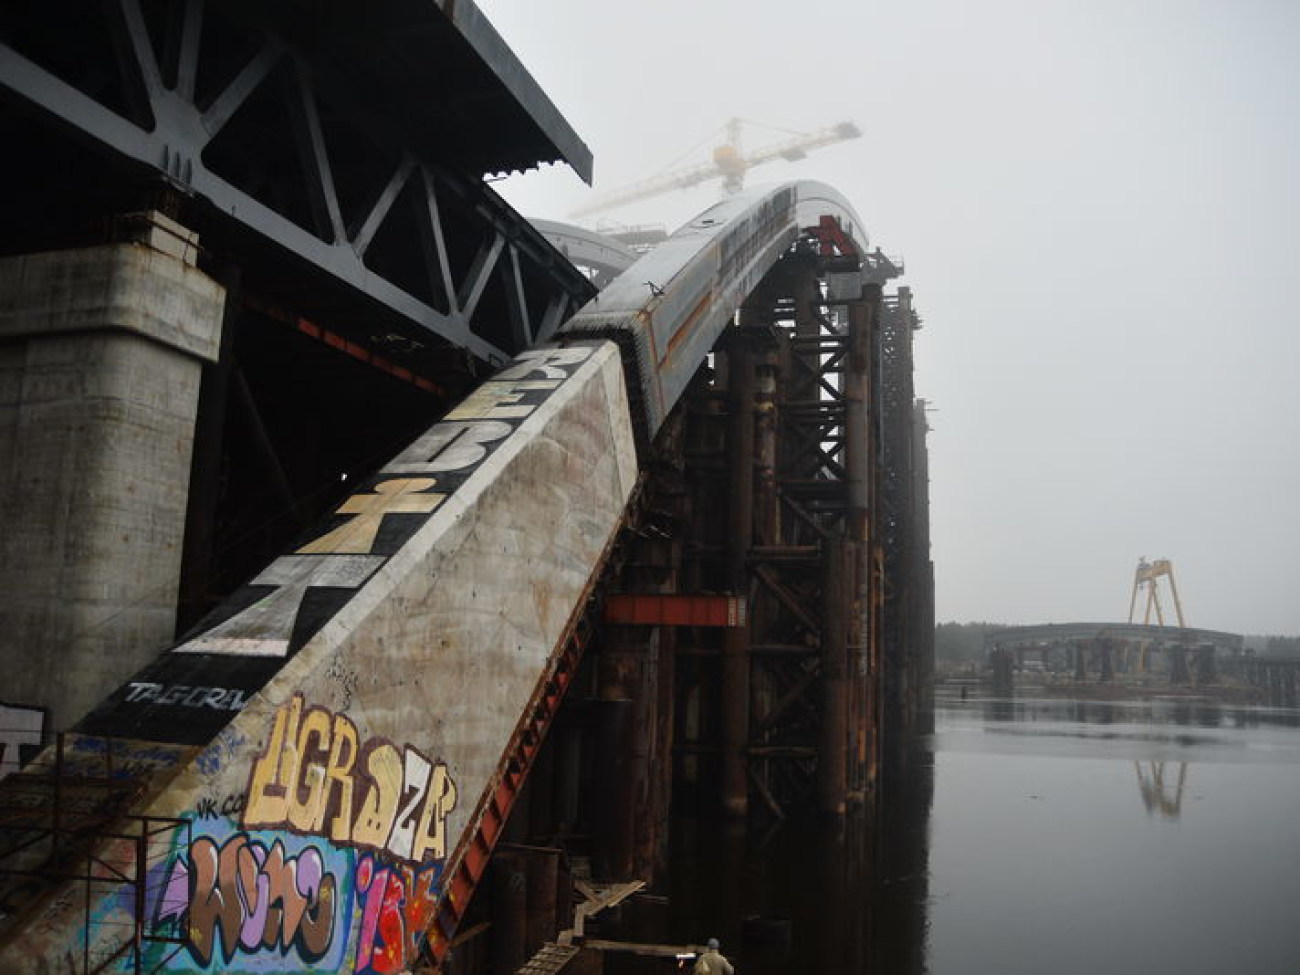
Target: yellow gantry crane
column 1148, row 576
column 730, row 163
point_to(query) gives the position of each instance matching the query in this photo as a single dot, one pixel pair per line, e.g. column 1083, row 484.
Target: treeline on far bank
column 964, row 642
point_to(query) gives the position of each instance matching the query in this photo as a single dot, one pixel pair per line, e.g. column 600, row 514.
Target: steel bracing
column 254, row 116
column 331, row 160
column 783, row 457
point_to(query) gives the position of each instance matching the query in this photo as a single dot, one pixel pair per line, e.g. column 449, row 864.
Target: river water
column 1032, row 837
column 1144, row 837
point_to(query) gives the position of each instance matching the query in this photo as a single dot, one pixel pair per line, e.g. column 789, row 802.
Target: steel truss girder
column 171, row 133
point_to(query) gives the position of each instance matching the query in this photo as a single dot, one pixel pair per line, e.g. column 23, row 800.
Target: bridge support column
column 740, row 531
column 101, row 352
column 1206, row 670
column 1106, row 655
column 832, row 755
column 1002, row 663
column 628, row 691
column 510, row 911
column 863, row 562
column 1178, row 671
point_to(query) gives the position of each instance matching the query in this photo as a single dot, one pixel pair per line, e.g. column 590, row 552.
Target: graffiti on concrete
column 266, row 628
column 241, row 896
column 20, row 736
column 221, row 698
column 397, row 907
column 253, row 901
column 315, row 777
column 372, row 524
column 248, row 901
column 227, row 807
column 118, row 758
column 188, row 695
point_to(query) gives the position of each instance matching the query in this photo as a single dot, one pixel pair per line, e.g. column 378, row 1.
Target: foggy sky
column 1097, row 204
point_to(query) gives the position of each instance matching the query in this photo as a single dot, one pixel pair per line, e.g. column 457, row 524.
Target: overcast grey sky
column 1097, row 203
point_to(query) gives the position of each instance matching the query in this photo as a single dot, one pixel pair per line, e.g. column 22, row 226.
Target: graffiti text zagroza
column 316, row 777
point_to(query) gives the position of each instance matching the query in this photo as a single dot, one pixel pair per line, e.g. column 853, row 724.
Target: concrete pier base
column 101, row 352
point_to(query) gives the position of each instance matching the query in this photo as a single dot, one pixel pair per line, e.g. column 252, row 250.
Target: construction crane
column 1148, row 576
column 730, row 162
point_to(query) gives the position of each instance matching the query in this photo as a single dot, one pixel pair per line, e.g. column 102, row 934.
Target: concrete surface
column 101, row 351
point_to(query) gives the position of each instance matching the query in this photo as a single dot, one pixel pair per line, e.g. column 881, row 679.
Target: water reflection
column 1157, row 794
column 1003, row 848
column 1198, row 712
column 814, row 893
column 1035, row 820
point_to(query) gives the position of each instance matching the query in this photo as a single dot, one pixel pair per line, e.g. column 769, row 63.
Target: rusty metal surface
column 674, row 609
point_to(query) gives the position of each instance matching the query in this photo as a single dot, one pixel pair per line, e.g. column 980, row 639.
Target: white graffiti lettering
column 264, row 629
column 500, row 400
column 18, row 727
column 548, row 362
column 220, row 698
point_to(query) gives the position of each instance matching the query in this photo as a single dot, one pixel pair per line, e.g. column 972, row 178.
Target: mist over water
column 1070, row 837
column 1038, row 837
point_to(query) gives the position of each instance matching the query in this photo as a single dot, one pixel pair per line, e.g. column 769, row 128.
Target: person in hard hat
column 712, row 962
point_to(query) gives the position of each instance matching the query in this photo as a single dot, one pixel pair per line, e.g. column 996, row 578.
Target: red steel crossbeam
column 675, row 609
column 833, row 238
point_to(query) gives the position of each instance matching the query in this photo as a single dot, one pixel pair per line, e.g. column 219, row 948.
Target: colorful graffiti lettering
column 315, row 777
column 397, row 907
column 252, row 902
column 243, row 896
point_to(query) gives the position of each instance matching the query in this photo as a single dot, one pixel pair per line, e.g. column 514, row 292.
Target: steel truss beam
column 283, row 146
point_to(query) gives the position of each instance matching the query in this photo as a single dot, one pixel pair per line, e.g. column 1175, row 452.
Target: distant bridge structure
column 1192, row 655
column 1161, row 635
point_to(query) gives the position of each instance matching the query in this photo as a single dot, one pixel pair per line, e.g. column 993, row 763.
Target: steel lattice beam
column 171, row 134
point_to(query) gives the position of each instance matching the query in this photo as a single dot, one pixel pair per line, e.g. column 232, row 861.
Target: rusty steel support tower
column 782, row 470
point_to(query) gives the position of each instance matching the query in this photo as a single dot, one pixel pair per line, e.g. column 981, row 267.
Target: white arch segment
column 602, row 257
column 668, row 309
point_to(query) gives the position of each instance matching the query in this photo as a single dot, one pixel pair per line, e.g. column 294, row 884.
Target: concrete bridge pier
column 1002, row 662
column 1207, row 671
column 1106, row 659
column 101, row 354
column 1178, row 670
